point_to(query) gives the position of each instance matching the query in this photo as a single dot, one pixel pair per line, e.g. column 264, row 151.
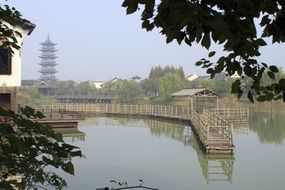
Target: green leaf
column 68, row 167
column 211, row 54
column 261, row 98
column 235, row 87
column 206, row 41
column 274, row 69
column 261, row 42
column 271, row 75
column 210, row 70
column 249, row 96
column 198, row 63
column 239, row 94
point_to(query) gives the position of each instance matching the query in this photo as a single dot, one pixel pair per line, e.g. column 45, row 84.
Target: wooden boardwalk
column 213, row 131
column 59, row 118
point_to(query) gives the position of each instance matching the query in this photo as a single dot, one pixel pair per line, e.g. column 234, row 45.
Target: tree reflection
column 215, row 167
column 268, row 126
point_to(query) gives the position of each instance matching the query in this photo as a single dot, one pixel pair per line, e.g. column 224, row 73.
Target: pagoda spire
column 48, row 61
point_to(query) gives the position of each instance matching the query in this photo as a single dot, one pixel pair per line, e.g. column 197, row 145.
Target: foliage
column 157, row 72
column 163, row 82
column 84, row 88
column 222, row 87
column 232, row 24
column 65, row 87
column 124, row 185
column 8, row 36
column 32, row 97
column 150, row 86
column 268, row 126
column 266, row 80
column 28, row 151
column 126, row 91
column 169, row 84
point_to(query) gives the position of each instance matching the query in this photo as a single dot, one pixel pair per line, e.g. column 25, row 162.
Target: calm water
column 166, row 155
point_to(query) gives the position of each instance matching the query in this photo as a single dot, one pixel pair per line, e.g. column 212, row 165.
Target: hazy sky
column 96, row 40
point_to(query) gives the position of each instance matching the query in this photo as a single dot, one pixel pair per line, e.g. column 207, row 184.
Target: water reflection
column 215, row 167
column 71, row 134
column 268, row 126
column 218, row 167
column 240, row 128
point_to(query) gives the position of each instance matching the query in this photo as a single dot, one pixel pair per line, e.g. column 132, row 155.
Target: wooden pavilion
column 196, row 99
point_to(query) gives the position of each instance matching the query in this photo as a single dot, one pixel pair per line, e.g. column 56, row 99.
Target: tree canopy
column 232, row 24
column 28, row 151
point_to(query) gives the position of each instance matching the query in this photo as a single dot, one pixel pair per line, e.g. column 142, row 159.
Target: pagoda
column 48, row 62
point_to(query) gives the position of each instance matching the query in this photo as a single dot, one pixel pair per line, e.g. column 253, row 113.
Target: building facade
column 10, row 68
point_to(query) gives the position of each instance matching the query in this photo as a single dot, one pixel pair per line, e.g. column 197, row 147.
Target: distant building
column 97, row 84
column 191, row 77
column 10, row 67
column 29, row 83
column 195, row 99
column 113, row 79
column 136, row 78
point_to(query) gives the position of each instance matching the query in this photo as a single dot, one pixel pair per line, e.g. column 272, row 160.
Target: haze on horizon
column 96, row 40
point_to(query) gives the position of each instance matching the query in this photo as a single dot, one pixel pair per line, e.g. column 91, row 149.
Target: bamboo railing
column 240, row 114
column 212, row 129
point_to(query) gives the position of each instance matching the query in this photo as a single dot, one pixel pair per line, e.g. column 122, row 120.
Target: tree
column 32, row 97
column 29, row 149
column 150, row 86
column 124, row 90
column 65, row 87
column 233, row 25
column 8, row 36
column 169, row 84
column 85, row 88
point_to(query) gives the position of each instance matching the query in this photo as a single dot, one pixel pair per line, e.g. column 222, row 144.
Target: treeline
column 156, row 89
column 157, row 72
column 162, row 82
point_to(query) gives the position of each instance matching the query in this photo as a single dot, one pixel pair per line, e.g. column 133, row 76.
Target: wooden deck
column 214, row 132
column 59, row 118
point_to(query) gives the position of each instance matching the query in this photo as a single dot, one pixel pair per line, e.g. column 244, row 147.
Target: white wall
column 14, row 80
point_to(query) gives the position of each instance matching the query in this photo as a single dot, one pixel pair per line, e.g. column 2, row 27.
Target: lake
column 166, row 155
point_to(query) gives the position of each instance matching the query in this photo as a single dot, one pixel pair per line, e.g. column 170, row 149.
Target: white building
column 97, row 84
column 10, row 67
column 191, row 77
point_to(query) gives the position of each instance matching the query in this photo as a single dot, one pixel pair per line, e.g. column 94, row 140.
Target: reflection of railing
column 215, row 167
column 71, row 134
column 240, row 128
column 232, row 114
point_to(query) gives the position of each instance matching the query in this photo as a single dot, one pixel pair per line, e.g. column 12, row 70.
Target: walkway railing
column 240, row 114
column 214, row 132
column 151, row 110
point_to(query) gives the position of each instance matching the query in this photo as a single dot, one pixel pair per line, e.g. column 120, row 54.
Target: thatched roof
column 194, row 92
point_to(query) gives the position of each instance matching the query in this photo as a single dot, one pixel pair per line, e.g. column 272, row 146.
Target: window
column 5, row 62
column 5, row 101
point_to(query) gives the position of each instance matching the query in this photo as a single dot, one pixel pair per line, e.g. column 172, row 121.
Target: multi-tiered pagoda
column 48, row 62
